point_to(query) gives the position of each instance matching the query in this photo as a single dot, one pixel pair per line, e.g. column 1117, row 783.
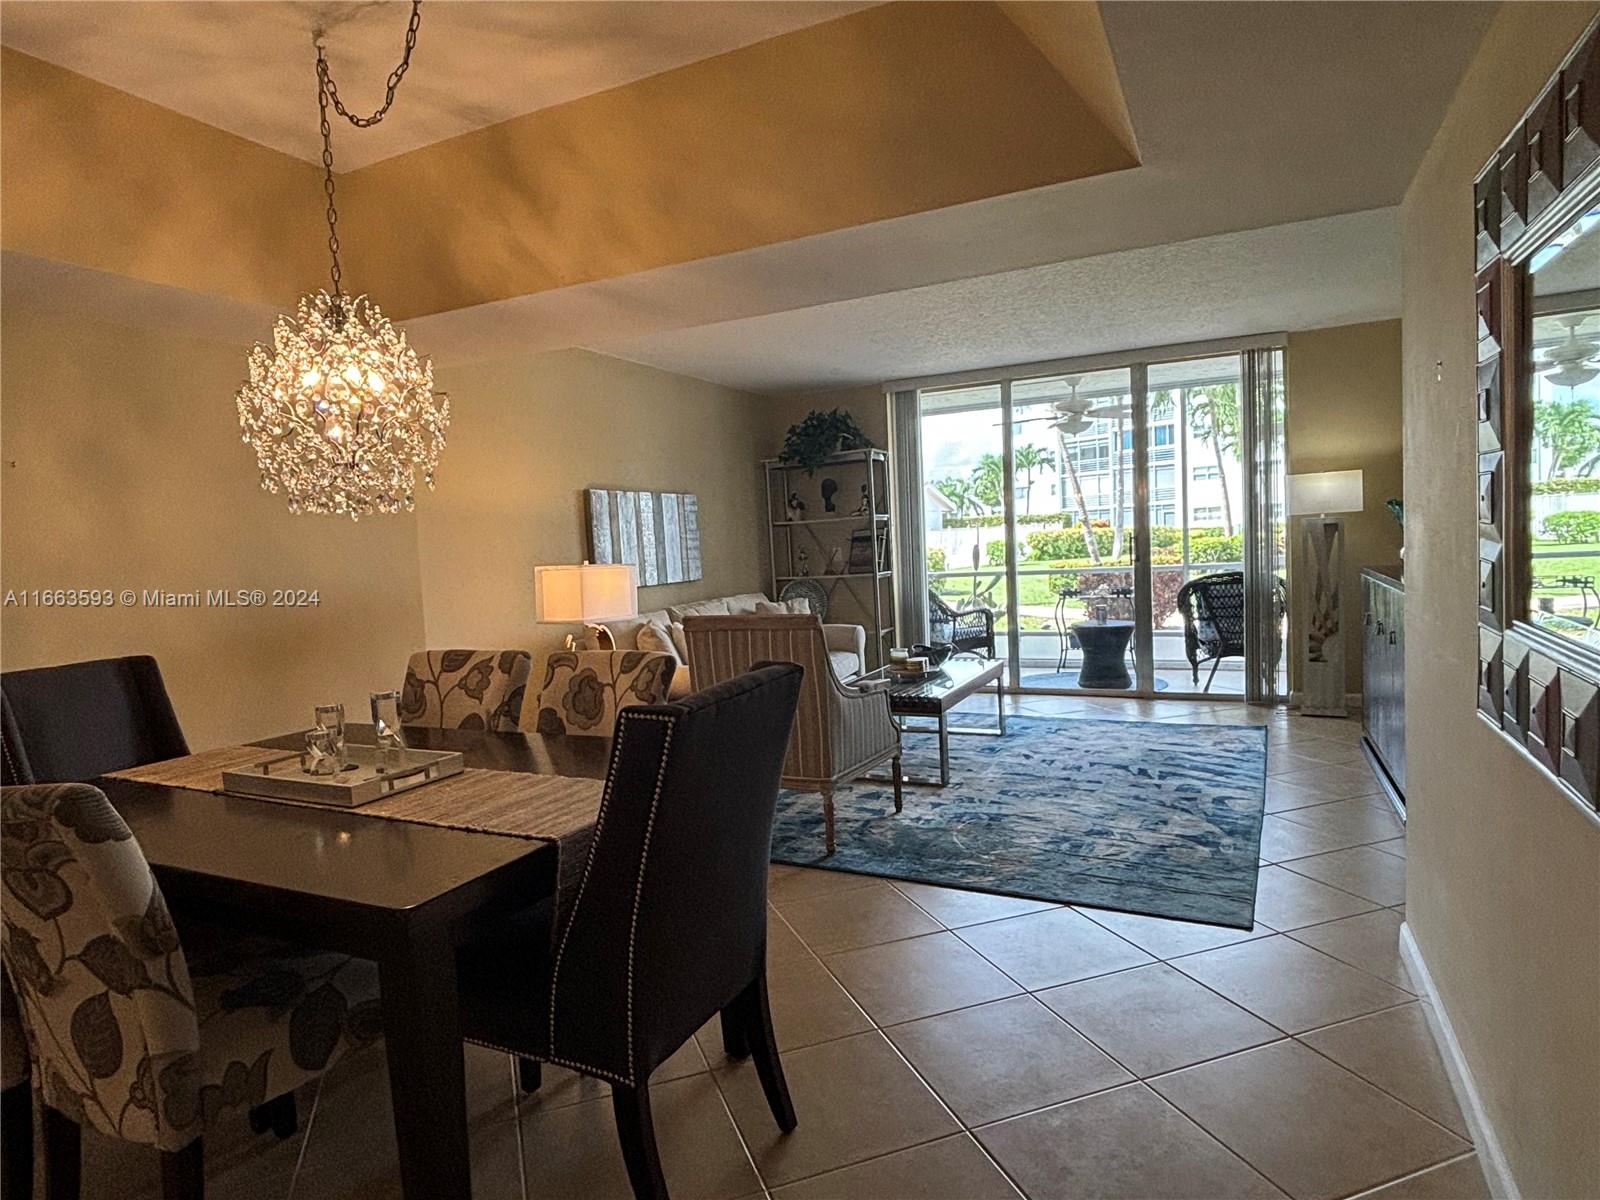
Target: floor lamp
column 1314, row 497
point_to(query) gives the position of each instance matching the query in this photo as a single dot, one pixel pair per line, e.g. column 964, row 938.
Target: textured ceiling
column 248, row 67
column 1332, row 271
column 1248, row 117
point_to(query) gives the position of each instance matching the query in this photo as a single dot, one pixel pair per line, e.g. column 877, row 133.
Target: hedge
column 1581, row 526
column 1565, row 487
column 936, row 559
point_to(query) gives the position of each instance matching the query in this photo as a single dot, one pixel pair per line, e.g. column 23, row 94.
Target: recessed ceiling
column 249, row 67
column 1332, row 271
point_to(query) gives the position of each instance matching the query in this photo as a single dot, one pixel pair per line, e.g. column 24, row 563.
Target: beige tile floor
column 941, row 1043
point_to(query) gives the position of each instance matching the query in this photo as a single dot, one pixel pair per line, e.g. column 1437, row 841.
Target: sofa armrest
column 852, row 638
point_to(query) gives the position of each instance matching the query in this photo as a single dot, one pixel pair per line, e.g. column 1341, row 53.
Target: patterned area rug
column 1145, row 817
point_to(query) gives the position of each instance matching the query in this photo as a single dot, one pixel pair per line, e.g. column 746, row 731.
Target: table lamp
column 588, row 592
column 1315, row 496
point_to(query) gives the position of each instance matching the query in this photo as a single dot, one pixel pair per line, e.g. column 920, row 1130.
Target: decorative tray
column 363, row 780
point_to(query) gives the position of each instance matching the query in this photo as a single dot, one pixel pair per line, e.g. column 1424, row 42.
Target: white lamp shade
column 1325, row 492
column 590, row 592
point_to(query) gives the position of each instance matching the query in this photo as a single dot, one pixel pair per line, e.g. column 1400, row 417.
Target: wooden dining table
column 401, row 894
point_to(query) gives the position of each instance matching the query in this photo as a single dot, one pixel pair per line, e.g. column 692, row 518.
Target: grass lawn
column 1574, row 558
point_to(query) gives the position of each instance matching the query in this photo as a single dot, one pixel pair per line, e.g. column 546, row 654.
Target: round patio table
column 1105, row 651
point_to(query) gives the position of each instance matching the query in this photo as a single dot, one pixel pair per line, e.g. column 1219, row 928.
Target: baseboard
column 1352, row 701
column 1491, row 1158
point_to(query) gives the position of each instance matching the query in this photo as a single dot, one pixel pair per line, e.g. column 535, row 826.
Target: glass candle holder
column 319, row 758
column 330, row 717
column 386, row 728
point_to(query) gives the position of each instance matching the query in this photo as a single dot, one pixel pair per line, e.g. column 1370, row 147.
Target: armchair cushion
column 847, row 648
column 583, row 690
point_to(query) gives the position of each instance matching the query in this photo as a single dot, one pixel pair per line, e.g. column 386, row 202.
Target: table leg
column 999, row 707
column 427, row 1069
column 944, row 749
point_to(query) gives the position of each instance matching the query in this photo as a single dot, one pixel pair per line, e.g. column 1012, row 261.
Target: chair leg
column 63, row 1143
column 827, row 817
column 764, row 1049
column 529, row 1075
column 183, row 1172
column 735, row 1042
column 278, row 1115
column 1215, row 663
column 637, row 1133
column 16, row 1140
column 899, row 798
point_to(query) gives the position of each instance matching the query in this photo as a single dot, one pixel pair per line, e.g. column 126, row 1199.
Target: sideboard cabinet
column 1383, row 671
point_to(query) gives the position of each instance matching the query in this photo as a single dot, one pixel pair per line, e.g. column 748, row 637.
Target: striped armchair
column 839, row 734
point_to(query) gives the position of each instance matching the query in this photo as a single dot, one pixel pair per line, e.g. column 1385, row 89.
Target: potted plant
column 812, row 441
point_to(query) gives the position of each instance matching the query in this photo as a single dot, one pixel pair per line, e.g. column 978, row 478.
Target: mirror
column 1563, row 467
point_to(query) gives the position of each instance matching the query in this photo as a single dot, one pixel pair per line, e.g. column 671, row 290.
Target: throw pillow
column 798, row 604
column 680, row 641
column 767, row 608
column 653, row 635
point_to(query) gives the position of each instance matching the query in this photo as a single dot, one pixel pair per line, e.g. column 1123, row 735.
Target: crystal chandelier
column 340, row 410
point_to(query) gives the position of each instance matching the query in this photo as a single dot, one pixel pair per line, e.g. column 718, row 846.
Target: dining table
column 404, row 895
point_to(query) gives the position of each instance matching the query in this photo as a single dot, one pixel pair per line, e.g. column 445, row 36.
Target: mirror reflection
column 1564, row 504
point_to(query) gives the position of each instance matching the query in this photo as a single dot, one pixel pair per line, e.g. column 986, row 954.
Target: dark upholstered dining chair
column 669, row 923
column 121, row 1035
column 80, row 720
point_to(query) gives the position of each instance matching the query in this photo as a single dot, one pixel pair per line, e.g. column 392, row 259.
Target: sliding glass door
column 1121, row 524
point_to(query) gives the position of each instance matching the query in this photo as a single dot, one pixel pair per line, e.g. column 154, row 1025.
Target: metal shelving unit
column 871, row 592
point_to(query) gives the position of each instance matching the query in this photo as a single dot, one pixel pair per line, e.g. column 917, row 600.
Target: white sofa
column 847, row 644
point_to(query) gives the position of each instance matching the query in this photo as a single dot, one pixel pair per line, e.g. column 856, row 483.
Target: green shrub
column 1576, row 526
column 994, row 553
column 1216, row 549
column 936, row 559
column 1566, row 487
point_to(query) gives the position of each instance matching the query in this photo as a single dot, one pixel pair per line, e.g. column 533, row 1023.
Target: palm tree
column 988, row 480
column 959, row 492
column 1090, row 545
column 1214, row 417
column 1028, row 459
column 1567, row 429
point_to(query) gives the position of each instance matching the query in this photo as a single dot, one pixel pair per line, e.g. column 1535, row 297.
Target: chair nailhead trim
column 623, row 721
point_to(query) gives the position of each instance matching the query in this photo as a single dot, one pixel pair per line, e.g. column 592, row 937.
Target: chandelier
column 340, row 410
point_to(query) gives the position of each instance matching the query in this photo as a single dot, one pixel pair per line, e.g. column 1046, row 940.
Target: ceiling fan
column 1575, row 361
column 1073, row 414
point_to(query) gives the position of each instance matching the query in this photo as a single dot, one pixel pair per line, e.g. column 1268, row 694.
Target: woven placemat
column 550, row 808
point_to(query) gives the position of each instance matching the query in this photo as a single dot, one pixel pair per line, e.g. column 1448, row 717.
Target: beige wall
column 1503, row 879
column 123, row 468
column 129, row 473
column 1343, row 387
column 529, row 436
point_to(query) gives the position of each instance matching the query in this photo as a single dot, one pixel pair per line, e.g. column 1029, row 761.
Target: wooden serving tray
column 281, row 777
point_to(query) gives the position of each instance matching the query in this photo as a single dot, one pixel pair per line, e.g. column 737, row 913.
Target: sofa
column 847, row 644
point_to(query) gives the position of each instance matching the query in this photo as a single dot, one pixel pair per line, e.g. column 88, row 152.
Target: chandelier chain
column 328, row 93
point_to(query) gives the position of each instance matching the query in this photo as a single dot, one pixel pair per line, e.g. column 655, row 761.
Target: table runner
column 549, row 808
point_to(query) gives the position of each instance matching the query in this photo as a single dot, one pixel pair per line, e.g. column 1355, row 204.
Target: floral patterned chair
column 466, row 689
column 584, row 690
column 120, row 1035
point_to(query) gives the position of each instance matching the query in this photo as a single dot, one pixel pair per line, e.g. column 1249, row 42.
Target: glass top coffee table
column 933, row 696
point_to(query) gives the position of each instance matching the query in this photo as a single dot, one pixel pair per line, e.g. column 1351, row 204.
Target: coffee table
column 933, row 696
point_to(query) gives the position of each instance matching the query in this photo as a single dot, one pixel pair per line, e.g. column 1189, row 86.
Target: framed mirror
column 1536, row 213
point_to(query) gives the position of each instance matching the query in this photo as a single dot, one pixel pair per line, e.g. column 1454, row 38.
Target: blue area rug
column 1145, row 817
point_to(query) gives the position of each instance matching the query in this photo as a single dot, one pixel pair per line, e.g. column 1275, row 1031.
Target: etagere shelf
column 804, row 547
